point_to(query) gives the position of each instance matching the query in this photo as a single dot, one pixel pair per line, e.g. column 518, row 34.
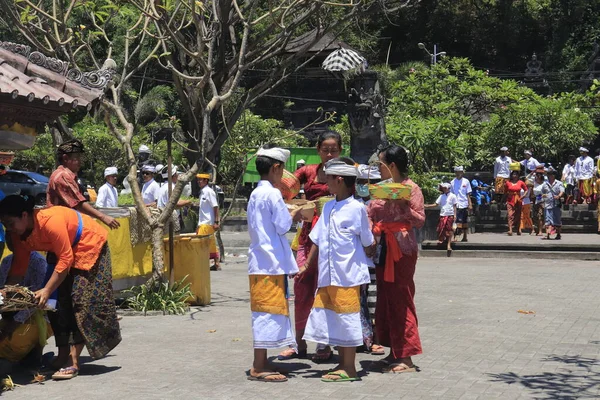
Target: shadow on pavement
column 575, row 380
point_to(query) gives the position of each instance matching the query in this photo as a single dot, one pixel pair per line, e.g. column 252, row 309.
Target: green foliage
column 249, row 133
column 551, row 127
column 453, row 114
column 343, row 128
column 102, row 150
column 160, row 296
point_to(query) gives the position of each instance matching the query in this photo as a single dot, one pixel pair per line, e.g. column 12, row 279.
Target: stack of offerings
column 16, row 298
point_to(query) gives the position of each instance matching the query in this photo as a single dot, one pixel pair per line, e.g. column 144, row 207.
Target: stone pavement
column 476, row 344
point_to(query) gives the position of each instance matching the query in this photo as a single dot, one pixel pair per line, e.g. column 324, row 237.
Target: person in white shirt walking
column 107, row 194
column 270, row 262
column 568, row 177
column 461, row 187
column 163, row 195
column 208, row 217
column 447, row 202
column 150, row 188
column 341, row 238
column 501, row 171
column 584, row 174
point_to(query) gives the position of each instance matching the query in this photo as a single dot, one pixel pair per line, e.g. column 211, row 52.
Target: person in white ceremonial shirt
column 150, row 188
column 163, row 195
column 584, row 174
column 342, row 238
column 501, row 171
column 108, row 197
column 208, row 217
column 270, row 262
column 461, row 187
column 530, row 163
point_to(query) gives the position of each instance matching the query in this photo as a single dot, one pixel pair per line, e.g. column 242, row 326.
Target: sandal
column 64, row 374
column 262, row 377
column 322, row 355
column 404, row 368
column 342, row 376
column 377, row 350
column 290, row 353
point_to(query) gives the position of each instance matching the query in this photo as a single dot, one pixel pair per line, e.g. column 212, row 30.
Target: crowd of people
column 532, row 192
column 351, row 244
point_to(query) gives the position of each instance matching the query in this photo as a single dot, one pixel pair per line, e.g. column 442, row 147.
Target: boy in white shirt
column 448, row 203
column 270, row 261
column 107, row 194
column 340, row 238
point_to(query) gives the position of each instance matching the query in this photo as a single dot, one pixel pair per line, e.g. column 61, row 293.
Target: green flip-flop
column 343, row 377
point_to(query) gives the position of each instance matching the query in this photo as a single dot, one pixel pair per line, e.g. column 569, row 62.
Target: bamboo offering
column 16, row 298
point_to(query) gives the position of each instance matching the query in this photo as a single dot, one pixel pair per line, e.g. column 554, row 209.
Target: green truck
column 308, row 154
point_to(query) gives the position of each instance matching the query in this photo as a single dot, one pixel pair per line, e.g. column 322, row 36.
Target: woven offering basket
column 390, row 191
column 16, row 298
column 289, row 186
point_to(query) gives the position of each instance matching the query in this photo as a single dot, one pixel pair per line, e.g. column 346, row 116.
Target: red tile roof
column 33, row 77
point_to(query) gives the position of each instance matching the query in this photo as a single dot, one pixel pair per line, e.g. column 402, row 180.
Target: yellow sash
column 341, row 300
column 267, row 294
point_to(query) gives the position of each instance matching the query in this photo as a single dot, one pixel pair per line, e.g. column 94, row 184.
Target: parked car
column 25, row 183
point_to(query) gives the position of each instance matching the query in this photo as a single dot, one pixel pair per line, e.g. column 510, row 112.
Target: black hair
column 264, row 164
column 15, row 205
column 553, row 172
column 349, row 181
column 329, row 135
column 397, row 155
column 515, row 172
column 572, row 158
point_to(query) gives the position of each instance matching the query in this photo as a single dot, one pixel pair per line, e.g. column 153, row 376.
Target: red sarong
column 396, row 318
column 444, row 228
column 305, row 287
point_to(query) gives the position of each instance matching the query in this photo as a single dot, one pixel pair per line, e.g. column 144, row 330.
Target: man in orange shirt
column 82, row 275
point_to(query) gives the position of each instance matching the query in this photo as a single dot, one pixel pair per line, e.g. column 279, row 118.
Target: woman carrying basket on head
column 82, row 275
column 329, row 146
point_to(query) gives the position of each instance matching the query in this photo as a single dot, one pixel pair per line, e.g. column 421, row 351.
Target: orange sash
column 393, row 252
column 342, row 300
column 268, row 294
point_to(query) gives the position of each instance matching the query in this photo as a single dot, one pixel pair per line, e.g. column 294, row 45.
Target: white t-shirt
column 446, row 203
column 208, row 201
column 569, row 174
column 107, row 196
column 150, row 191
column 461, row 188
column 341, row 233
column 163, row 196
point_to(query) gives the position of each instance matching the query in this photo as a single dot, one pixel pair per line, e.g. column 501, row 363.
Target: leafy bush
column 160, row 296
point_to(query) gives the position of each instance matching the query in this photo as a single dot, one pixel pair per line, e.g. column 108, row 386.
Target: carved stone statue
column 365, row 116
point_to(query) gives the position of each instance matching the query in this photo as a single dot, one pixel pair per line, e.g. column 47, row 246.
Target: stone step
column 517, row 254
column 545, row 247
column 567, row 228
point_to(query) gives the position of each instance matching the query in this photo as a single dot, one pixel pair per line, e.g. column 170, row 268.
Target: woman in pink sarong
column 329, row 146
column 393, row 222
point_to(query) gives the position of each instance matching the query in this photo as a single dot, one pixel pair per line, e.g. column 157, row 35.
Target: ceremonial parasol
column 345, row 62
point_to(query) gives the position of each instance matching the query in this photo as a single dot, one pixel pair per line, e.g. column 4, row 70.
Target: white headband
column 110, row 171
column 504, row 148
column 368, row 172
column 527, row 153
column 583, row 149
column 149, row 168
column 445, row 185
column 339, row 168
column 460, row 168
column 275, row 153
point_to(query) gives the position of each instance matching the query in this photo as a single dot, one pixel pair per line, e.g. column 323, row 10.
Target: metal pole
column 169, row 191
column 434, row 54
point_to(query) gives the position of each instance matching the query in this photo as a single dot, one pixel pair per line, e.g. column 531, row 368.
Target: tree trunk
column 158, row 254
